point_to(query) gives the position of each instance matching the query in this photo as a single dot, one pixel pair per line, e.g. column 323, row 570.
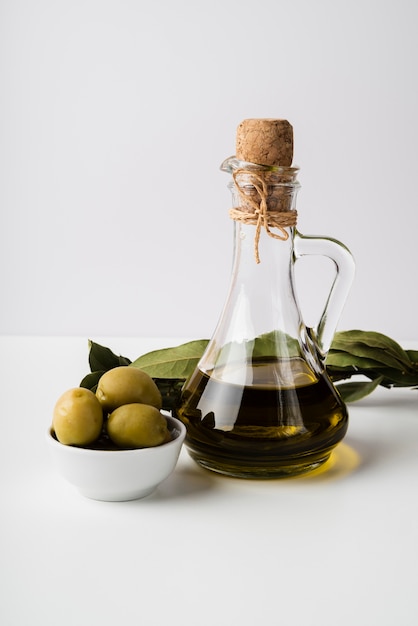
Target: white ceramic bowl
column 117, row 475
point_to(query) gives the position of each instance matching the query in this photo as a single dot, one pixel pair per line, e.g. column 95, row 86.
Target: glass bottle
column 260, row 403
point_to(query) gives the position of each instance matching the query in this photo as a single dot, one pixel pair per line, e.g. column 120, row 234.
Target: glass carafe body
column 260, row 403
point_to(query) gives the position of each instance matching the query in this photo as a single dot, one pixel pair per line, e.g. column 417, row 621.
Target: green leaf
column 397, row 378
column 364, row 343
column 345, row 359
column 351, row 392
column 90, row 381
column 178, row 362
column 275, row 342
column 102, row 358
column 265, row 346
column 355, row 352
column 377, row 355
column 390, row 377
column 413, row 356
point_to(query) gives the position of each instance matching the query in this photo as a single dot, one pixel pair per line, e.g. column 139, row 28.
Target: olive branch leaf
column 354, row 353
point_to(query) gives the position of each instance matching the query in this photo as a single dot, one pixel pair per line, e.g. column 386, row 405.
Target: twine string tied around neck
column 255, row 211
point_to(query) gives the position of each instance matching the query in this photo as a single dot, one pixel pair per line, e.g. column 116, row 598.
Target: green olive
column 127, row 385
column 137, row 426
column 78, row 417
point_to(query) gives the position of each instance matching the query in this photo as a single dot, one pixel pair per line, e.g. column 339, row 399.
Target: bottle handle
column 345, row 268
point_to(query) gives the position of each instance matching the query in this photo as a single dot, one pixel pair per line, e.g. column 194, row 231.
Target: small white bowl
column 118, row 475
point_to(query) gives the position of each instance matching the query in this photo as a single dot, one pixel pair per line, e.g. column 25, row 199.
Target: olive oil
column 272, row 418
column 259, row 403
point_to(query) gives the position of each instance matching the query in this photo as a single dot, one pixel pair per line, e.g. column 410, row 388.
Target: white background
column 116, row 114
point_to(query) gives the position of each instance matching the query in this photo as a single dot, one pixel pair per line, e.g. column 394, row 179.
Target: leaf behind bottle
column 413, row 356
column 91, row 380
column 102, row 358
column 346, row 359
column 372, row 345
column 177, row 362
column 276, row 343
column 354, row 391
column 269, row 345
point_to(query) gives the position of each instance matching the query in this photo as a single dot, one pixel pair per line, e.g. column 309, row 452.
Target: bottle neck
column 261, row 304
column 264, row 214
column 264, row 198
column 276, row 257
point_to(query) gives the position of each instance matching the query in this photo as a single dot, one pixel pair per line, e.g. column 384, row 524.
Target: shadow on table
column 186, row 482
column 353, row 455
column 345, row 459
column 193, row 480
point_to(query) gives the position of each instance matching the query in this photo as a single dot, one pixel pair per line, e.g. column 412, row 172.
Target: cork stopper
column 265, row 142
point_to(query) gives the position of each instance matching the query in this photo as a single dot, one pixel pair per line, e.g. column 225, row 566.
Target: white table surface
column 336, row 547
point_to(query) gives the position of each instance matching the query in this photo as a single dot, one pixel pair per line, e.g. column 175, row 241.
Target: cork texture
column 265, row 142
